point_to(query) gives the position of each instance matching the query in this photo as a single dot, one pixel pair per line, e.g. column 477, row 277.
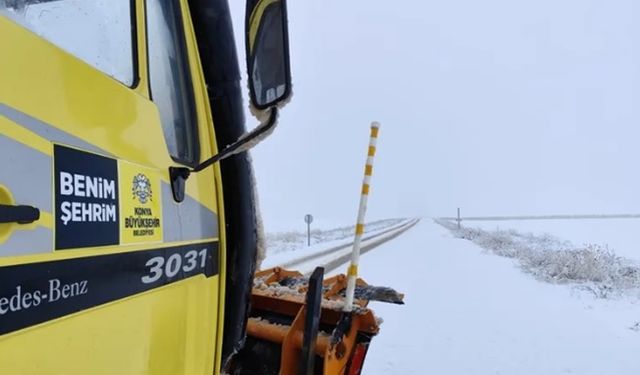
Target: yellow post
column 352, row 272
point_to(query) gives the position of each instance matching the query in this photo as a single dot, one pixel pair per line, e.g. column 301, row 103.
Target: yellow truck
column 128, row 229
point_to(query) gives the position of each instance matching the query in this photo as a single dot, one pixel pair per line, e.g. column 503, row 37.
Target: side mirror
column 267, row 41
column 267, row 50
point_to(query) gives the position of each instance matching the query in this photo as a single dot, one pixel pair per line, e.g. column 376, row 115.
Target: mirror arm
column 179, row 175
column 243, row 143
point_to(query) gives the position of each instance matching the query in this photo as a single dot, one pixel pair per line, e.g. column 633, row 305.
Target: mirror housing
column 267, row 51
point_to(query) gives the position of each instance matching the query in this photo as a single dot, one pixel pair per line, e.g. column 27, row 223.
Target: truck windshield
column 98, row 32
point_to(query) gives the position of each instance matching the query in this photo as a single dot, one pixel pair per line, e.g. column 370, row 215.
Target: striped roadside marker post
column 352, row 272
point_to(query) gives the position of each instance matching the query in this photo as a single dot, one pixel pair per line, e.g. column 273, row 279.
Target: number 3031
column 170, row 267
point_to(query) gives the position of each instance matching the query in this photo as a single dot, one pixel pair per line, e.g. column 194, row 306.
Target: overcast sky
column 495, row 106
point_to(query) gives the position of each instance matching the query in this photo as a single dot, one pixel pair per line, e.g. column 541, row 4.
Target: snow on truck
column 128, row 228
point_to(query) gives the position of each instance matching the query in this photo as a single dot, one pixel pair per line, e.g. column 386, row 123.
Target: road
column 332, row 257
column 470, row 312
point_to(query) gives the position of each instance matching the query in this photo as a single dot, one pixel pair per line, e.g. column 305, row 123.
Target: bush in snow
column 592, row 267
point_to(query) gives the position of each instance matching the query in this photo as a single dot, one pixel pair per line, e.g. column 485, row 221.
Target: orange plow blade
column 297, row 325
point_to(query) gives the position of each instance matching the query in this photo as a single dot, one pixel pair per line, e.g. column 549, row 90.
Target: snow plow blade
column 297, row 326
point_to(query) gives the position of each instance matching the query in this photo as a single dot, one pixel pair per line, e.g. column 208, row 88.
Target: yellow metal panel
column 24, row 136
column 165, row 331
column 79, row 253
column 174, row 329
column 74, row 97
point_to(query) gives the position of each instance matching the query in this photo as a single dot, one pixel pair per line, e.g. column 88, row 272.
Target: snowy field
column 621, row 236
column 469, row 311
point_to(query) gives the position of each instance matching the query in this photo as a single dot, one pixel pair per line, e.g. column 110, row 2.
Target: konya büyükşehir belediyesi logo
column 141, row 188
column 140, row 212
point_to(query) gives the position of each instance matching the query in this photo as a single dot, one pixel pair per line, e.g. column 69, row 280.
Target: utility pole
column 459, row 218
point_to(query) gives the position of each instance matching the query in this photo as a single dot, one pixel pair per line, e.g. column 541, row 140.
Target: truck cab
column 128, row 230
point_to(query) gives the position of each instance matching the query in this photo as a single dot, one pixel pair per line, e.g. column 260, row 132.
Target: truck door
column 101, row 271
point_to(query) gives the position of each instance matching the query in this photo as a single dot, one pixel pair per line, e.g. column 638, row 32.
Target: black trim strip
column 217, row 50
column 35, row 293
column 134, row 46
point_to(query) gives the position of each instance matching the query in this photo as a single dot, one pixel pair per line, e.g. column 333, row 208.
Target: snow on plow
column 297, row 325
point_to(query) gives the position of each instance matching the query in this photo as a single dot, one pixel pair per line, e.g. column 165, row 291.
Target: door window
column 170, row 81
column 98, row 32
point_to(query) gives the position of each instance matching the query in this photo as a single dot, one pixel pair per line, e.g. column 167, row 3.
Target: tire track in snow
column 369, row 242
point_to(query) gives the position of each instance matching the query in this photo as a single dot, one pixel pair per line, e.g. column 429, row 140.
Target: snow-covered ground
column 286, row 246
column 469, row 311
column 622, row 236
